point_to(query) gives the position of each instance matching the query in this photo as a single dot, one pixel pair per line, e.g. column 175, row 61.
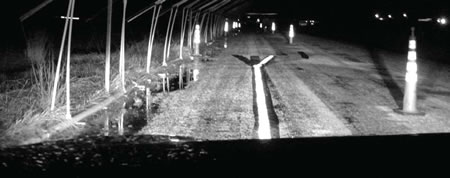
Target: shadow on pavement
column 394, row 89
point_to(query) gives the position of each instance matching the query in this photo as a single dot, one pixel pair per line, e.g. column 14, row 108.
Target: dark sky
column 13, row 8
column 297, row 9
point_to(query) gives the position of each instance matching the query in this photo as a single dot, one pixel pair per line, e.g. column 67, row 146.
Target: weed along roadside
column 134, row 83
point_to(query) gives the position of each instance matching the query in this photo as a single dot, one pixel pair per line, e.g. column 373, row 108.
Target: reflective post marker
column 273, row 27
column 410, row 96
column 197, row 40
column 291, row 34
column 225, row 45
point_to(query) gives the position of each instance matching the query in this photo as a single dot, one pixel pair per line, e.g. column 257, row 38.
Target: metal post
column 108, row 46
column 184, row 17
column 58, row 67
column 167, row 36
column 207, row 27
column 171, row 31
column 151, row 40
column 69, row 42
column 122, row 48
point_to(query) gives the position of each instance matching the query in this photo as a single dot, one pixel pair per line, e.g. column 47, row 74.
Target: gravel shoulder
column 219, row 106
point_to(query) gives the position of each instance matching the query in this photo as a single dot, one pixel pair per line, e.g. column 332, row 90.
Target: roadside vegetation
column 25, row 101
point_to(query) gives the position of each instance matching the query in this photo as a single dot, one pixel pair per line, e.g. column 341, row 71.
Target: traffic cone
column 410, row 93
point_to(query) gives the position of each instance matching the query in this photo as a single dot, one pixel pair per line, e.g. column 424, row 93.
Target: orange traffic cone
column 410, row 95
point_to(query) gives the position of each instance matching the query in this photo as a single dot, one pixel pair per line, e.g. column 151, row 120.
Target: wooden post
column 168, row 82
column 121, row 118
column 148, row 99
column 106, row 127
column 58, row 66
column 180, row 77
column 122, row 48
column 108, row 46
column 69, row 41
column 164, row 84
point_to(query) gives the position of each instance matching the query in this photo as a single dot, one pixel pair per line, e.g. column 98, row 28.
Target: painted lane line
column 263, row 115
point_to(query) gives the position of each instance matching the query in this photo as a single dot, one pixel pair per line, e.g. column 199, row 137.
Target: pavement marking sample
column 263, row 116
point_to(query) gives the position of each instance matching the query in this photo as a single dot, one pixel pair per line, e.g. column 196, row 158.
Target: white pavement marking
column 263, row 116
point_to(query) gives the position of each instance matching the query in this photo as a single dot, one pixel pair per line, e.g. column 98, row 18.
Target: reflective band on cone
column 411, row 78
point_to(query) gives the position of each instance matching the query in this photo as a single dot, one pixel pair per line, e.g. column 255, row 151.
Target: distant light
column 273, row 26
column 377, row 15
column 260, row 25
column 442, row 21
column 238, row 20
column 390, row 16
column 257, row 20
column 405, row 15
column 425, row 20
column 248, row 17
column 381, row 18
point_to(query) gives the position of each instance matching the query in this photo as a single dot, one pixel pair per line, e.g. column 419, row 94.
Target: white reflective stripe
column 412, row 55
column 411, row 77
column 263, row 117
column 265, row 60
column 412, row 44
column 411, row 67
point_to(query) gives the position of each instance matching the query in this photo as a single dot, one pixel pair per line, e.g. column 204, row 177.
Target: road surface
column 341, row 89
